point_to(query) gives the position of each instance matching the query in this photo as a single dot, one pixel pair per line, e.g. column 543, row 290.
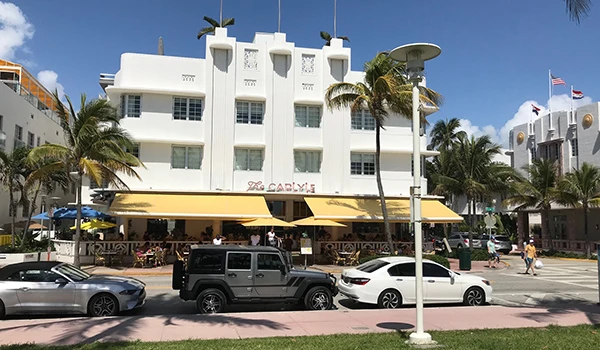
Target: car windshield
column 372, row 266
column 502, row 239
column 72, row 272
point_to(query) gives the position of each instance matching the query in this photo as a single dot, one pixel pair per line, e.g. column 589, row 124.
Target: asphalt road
column 560, row 283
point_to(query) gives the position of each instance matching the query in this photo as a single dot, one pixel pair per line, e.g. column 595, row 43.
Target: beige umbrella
column 311, row 221
column 267, row 222
column 36, row 226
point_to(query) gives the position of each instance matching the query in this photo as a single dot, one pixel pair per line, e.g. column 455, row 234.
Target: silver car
column 60, row 288
column 459, row 240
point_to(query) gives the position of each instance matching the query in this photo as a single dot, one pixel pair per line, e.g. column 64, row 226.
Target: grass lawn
column 568, row 338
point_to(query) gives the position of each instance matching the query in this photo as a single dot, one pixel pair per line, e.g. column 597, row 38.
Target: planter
column 12, row 258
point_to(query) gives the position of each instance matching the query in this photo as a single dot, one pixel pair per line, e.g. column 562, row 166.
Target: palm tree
column 12, row 175
column 95, row 147
column 43, row 175
column 538, row 190
column 473, row 173
column 444, row 134
column 578, row 9
column 581, row 189
column 214, row 24
column 385, row 90
column 327, row 37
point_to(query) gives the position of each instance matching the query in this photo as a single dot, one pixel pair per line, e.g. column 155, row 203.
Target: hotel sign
column 281, row 187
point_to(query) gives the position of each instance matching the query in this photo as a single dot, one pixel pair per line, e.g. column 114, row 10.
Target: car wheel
column 318, row 298
column 2, row 310
column 474, row 297
column 389, row 299
column 102, row 305
column 459, row 246
column 211, row 301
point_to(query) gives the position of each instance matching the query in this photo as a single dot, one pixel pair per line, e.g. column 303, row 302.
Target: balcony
column 34, row 101
column 106, row 79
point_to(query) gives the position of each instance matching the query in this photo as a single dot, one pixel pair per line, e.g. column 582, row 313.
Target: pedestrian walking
column 491, row 248
column 530, row 256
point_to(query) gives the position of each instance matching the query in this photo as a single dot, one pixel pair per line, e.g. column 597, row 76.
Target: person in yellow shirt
column 530, row 255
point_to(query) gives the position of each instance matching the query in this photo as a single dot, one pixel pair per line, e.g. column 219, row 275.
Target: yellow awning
column 267, row 222
column 311, row 221
column 200, row 206
column 369, row 209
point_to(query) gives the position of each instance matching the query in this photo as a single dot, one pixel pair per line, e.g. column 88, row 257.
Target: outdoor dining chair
column 138, row 259
column 100, row 260
column 337, row 258
column 353, row 259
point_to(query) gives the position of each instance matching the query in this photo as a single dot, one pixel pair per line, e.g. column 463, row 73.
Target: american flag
column 557, row 81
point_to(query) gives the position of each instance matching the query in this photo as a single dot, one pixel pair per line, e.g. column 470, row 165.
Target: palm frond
column 344, row 38
column 578, row 9
column 213, row 22
column 326, row 36
column 227, row 22
column 204, row 31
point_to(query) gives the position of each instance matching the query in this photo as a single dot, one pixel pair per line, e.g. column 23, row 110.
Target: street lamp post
column 415, row 56
column 51, row 225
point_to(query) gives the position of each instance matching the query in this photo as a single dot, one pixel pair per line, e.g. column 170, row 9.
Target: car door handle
column 399, row 279
column 24, row 289
column 232, row 275
column 431, row 281
column 260, row 275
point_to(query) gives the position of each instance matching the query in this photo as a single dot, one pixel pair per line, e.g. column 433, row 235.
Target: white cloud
column 49, row 79
column 15, row 30
column 523, row 115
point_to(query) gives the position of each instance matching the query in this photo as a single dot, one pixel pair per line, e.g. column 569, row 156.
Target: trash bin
column 464, row 259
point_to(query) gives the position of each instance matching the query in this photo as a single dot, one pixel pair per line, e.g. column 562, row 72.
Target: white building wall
column 277, row 78
column 15, row 110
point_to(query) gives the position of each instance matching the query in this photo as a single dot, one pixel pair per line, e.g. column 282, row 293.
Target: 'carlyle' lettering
column 281, row 187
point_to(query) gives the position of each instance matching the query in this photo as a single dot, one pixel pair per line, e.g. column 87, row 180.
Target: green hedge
column 442, row 260
column 476, row 254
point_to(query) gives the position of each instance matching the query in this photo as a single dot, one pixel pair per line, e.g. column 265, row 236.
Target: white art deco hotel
column 244, row 133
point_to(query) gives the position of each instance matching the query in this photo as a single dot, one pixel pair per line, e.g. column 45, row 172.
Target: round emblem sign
column 520, row 137
column 587, row 120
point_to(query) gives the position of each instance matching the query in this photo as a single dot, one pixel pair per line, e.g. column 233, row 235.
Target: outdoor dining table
column 149, row 256
column 345, row 255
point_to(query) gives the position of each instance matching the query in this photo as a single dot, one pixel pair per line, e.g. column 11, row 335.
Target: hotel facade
column 245, row 133
column 570, row 139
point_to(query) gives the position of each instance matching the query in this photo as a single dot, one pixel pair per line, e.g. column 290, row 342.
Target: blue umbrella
column 71, row 213
column 41, row 216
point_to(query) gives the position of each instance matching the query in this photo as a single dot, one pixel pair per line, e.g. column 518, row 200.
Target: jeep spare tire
column 210, row 301
column 318, row 298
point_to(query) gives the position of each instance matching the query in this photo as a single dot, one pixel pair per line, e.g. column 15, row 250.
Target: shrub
column 479, row 255
column 442, row 260
column 364, row 259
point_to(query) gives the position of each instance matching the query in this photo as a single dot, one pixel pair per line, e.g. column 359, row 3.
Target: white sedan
column 390, row 282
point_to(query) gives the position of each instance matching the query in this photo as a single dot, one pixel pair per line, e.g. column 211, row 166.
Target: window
column 406, row 269
column 33, row 276
column 1, row 122
column 30, row 140
column 372, row 266
column 362, row 164
column 367, row 227
column 187, row 108
column 248, row 159
column 249, row 112
column 431, row 270
column 134, row 151
column 363, row 120
column 574, row 148
column 269, row 262
column 307, row 161
column 276, row 208
column 207, row 262
column 239, row 261
column 301, row 210
column 183, row 157
column 308, row 116
column 18, row 133
column 533, row 152
column 38, row 142
column 131, row 106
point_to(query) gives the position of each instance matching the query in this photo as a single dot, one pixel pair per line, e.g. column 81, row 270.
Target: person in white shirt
column 271, row 236
column 255, row 239
column 218, row 240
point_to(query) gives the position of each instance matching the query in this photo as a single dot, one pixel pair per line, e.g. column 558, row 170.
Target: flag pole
column 549, row 99
column 335, row 18
column 279, row 16
column 221, row 14
column 572, row 116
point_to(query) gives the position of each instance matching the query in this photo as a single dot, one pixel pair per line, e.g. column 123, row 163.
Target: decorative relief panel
column 308, row 87
column 188, row 77
column 520, row 137
column 249, row 82
column 250, row 59
column 587, row 121
column 308, row 64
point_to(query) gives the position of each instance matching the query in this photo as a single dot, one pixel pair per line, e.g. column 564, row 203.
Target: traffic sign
column 489, row 221
column 489, row 209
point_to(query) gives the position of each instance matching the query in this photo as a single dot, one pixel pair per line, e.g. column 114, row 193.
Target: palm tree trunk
column 12, row 213
column 470, row 218
column 77, row 237
column 588, row 248
column 386, row 221
column 31, row 209
column 546, row 227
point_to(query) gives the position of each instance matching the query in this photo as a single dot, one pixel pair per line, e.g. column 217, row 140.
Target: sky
column 494, row 63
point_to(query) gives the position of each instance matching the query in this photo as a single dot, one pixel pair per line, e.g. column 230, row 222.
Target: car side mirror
column 283, row 269
column 61, row 281
column 452, row 276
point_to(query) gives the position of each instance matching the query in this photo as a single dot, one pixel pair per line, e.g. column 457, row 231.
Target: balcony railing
column 34, row 101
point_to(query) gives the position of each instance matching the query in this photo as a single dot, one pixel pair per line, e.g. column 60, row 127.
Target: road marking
column 494, row 299
column 535, row 299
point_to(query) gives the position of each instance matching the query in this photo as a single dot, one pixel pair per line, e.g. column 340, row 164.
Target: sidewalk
column 129, row 271
column 476, row 267
column 293, row 323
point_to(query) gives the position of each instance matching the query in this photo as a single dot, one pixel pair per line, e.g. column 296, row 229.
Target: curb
column 571, row 259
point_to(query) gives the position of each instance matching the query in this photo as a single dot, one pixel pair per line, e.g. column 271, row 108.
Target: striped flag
column 557, row 80
column 535, row 109
column 577, row 95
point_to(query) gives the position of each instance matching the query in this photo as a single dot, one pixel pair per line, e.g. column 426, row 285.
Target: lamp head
column 415, row 55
